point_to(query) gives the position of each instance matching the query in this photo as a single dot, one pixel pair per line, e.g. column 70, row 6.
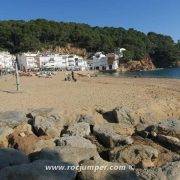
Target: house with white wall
column 7, row 61
column 65, row 61
column 78, row 62
column 99, row 61
column 27, row 61
column 54, row 61
column 106, row 62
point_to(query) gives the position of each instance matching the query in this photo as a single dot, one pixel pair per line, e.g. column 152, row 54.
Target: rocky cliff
column 69, row 49
column 144, row 64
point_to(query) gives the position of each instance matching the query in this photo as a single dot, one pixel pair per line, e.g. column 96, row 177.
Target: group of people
column 70, row 77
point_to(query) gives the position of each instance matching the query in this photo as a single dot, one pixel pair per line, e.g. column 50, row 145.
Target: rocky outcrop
column 71, row 149
column 43, row 112
column 173, row 142
column 4, row 133
column 121, row 129
column 142, row 117
column 12, row 118
column 140, row 155
column 168, row 127
column 86, row 118
column 109, row 138
column 69, row 49
column 123, row 115
column 46, row 122
column 170, row 171
column 166, row 132
column 145, row 64
column 79, row 148
column 120, row 120
column 29, row 143
column 79, row 129
column 119, row 139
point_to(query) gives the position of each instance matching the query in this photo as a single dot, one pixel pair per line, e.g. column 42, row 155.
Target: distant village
column 38, row 61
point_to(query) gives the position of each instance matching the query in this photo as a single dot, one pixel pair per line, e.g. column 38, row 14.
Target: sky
column 160, row 16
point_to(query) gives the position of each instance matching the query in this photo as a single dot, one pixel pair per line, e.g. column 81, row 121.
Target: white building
column 76, row 62
column 68, row 62
column 43, row 59
column 53, row 61
column 7, row 61
column 27, row 61
column 82, row 64
column 106, row 62
column 99, row 61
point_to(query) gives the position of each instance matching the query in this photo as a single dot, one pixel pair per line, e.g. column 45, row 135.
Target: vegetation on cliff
column 19, row 36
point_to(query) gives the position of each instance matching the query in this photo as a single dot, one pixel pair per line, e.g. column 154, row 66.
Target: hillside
column 40, row 34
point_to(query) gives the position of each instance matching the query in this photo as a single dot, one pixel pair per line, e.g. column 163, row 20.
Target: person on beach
column 72, row 75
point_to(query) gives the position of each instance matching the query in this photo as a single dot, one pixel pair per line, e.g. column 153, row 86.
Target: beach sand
column 83, row 96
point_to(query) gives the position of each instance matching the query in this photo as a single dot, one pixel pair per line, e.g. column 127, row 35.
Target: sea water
column 158, row 73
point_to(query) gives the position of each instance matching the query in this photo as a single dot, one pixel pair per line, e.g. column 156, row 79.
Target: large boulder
column 30, row 143
column 100, row 169
column 165, row 132
column 123, row 115
column 25, row 140
column 121, row 129
column 172, row 170
column 75, row 141
column 72, row 149
column 46, row 121
column 12, row 118
column 108, row 138
column 50, row 126
column 11, row 157
column 4, row 133
column 169, row 127
column 79, row 129
column 39, row 170
column 171, row 142
column 43, row 112
column 23, row 129
column 140, row 155
column 86, row 118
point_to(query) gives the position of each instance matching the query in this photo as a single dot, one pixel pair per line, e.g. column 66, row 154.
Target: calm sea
column 159, row 73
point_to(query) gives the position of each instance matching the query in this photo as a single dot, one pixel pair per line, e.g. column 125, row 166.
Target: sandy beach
column 83, row 96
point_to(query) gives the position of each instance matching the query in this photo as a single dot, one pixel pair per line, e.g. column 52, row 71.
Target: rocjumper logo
column 91, row 168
